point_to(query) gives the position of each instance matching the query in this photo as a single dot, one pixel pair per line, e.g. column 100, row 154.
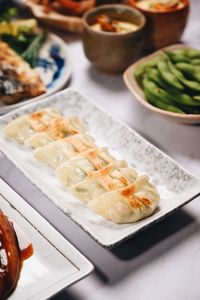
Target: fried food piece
column 17, row 79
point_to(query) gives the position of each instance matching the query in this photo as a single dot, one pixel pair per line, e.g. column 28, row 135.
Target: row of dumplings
column 107, row 186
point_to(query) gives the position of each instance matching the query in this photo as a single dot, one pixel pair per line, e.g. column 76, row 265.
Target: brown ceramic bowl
column 163, row 28
column 110, row 51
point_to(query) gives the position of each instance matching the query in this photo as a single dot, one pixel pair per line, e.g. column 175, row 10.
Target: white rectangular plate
column 176, row 186
column 55, row 263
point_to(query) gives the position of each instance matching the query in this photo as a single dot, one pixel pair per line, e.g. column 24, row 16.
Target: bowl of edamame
column 167, row 82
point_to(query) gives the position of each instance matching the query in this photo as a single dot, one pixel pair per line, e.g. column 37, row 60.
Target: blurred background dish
column 62, row 14
column 113, row 36
column 33, row 62
column 54, row 68
column 165, row 23
column 137, row 90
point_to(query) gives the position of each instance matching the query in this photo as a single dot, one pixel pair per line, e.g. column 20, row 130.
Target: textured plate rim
column 114, row 241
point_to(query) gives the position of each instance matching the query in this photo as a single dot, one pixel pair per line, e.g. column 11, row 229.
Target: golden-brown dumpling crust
column 128, row 204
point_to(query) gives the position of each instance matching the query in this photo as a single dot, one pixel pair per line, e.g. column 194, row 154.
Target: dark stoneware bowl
column 109, row 51
column 163, row 28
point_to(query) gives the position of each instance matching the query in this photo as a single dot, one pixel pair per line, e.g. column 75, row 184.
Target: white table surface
column 162, row 262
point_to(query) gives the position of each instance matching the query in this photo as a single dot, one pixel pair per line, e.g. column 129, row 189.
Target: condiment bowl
column 111, row 51
column 163, row 27
column 138, row 93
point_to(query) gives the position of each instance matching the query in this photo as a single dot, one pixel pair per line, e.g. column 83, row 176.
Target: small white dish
column 176, row 186
column 53, row 66
column 55, row 263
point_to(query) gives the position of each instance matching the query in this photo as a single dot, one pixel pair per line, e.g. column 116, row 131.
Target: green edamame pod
column 159, row 104
column 192, row 85
column 192, row 71
column 154, row 75
column 190, row 110
column 182, row 98
column 193, row 53
column 195, row 62
column 197, row 97
column 167, row 75
column 153, row 89
column 139, row 71
column 180, row 51
column 177, row 56
column 185, row 99
column 142, row 68
column 166, row 93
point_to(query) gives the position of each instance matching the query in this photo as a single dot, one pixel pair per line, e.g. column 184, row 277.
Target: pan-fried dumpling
column 77, row 124
column 56, row 153
column 24, row 127
column 58, row 130
column 19, row 130
column 77, row 168
column 128, row 204
column 45, row 117
column 114, row 176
